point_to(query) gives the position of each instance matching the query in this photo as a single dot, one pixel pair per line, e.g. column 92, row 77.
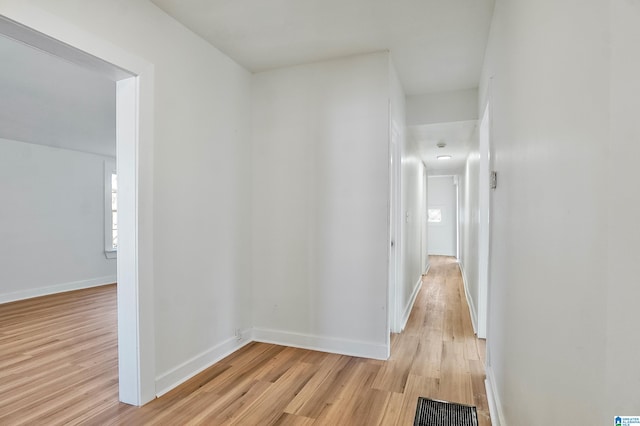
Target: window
column 114, row 211
column 111, row 210
column 434, row 215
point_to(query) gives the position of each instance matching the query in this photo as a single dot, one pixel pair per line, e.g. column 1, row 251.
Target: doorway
column 442, row 215
column 134, row 124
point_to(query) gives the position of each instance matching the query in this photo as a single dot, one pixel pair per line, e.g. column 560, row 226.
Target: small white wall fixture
column 134, row 100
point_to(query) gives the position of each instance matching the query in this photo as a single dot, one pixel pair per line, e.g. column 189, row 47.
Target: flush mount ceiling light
column 443, row 157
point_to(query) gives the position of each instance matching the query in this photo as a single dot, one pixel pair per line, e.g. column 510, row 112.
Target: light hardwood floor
column 58, row 365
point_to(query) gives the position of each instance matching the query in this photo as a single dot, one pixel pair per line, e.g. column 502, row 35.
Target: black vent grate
column 439, row 413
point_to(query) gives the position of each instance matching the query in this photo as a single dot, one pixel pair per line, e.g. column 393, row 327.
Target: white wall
column 443, row 236
column 469, row 228
column 414, row 260
column 320, row 205
column 552, row 219
column 442, row 107
column 622, row 369
column 412, row 211
column 50, row 101
column 52, row 221
column 195, row 178
column 425, row 227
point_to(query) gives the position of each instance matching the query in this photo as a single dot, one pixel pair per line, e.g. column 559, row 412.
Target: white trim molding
column 472, row 308
column 56, row 288
column 493, row 398
column 426, row 269
column 407, row 309
column 322, row 343
column 194, row 366
column 190, row 368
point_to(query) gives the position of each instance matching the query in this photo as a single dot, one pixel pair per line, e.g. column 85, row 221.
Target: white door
column 394, row 205
column 442, row 216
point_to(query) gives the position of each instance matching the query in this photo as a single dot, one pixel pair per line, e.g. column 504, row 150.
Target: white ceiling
column 457, row 136
column 48, row 101
column 436, row 45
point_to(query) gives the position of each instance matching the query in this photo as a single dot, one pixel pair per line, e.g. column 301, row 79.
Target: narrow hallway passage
column 437, row 355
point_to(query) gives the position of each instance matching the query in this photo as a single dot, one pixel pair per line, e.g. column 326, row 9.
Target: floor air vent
column 439, row 413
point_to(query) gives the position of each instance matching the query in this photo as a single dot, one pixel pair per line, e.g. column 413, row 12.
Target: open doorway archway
column 134, row 129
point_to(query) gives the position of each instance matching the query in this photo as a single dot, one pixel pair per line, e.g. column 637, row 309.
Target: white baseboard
column 200, row 362
column 57, row 288
column 321, row 343
column 472, row 308
column 493, row 398
column 426, row 270
column 409, row 307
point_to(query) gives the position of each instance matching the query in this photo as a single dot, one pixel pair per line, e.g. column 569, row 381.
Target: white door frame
column 134, row 133
column 456, row 182
column 484, row 231
column 394, row 232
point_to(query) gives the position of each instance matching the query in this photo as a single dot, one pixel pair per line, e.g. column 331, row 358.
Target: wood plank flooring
column 58, row 357
column 58, row 365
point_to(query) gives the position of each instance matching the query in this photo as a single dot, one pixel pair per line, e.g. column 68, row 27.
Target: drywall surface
column 622, row 373
column 547, row 328
column 49, row 101
column 442, row 107
column 320, row 205
column 52, row 226
column 413, row 260
column 195, row 177
column 469, row 227
column 443, row 196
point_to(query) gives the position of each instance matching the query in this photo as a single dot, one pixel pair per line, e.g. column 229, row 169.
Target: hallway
column 443, row 358
column 437, row 356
